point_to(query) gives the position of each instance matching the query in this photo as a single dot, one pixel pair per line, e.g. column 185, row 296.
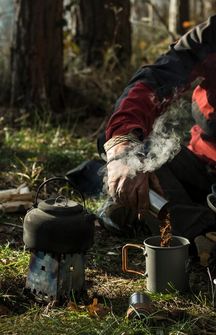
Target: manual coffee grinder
column 58, row 232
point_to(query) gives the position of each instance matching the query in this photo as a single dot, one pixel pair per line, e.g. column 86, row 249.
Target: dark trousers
column 186, row 182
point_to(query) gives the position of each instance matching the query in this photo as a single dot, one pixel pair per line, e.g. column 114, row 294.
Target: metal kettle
column 58, row 224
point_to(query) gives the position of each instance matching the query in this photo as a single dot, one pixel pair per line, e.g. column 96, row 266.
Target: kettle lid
column 63, row 207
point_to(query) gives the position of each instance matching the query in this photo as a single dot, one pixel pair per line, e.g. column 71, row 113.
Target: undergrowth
column 31, row 154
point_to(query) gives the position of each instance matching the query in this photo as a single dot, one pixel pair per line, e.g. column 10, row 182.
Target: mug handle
column 209, row 201
column 125, row 257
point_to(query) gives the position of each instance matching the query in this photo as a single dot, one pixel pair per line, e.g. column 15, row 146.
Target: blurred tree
column 37, row 54
column 6, row 19
column 201, row 9
column 209, row 7
column 140, row 10
column 184, row 16
column 179, row 16
column 104, row 31
column 213, row 6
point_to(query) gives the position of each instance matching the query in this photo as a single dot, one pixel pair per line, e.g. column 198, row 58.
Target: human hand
column 129, row 188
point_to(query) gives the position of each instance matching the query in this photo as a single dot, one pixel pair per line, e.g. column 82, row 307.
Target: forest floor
column 173, row 313
column 29, row 155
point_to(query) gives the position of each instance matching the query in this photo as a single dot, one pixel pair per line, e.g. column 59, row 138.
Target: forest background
column 74, row 57
column 63, row 64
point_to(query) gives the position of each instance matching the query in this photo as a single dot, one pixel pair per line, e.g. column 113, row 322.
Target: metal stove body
column 56, row 276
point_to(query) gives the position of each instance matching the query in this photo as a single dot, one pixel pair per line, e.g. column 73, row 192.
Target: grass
column 65, row 322
column 30, row 155
column 13, row 262
column 54, row 150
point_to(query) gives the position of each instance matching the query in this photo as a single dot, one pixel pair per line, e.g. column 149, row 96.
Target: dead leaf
column 97, row 309
column 72, row 306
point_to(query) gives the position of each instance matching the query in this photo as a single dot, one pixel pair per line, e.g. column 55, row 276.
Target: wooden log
column 21, row 193
column 15, row 206
column 18, row 197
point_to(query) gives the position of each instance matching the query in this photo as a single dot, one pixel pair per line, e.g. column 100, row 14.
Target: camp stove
column 56, row 276
column 58, row 233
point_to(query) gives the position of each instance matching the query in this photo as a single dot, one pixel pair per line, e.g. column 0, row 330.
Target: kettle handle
column 52, row 179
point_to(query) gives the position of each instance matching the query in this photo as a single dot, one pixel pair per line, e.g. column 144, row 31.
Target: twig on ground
column 12, row 225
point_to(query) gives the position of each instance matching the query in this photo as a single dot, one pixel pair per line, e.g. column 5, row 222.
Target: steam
column 163, row 144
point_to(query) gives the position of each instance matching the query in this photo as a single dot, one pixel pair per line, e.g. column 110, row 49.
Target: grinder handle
column 125, row 258
column 66, row 180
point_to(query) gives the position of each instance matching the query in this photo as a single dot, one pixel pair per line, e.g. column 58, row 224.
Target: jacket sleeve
column 153, row 87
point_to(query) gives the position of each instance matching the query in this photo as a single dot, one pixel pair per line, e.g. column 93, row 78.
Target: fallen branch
column 12, row 225
column 15, row 206
column 14, row 194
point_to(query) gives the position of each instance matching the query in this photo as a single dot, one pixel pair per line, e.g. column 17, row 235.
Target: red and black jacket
column 154, row 86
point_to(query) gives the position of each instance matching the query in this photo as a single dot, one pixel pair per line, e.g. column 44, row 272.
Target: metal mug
column 166, row 268
column 140, row 306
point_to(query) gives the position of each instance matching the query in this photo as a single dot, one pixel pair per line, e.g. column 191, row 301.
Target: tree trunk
column 213, row 6
column 173, row 16
column 202, row 8
column 37, row 54
column 103, row 25
column 178, row 14
column 209, row 7
column 193, row 9
column 184, row 16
